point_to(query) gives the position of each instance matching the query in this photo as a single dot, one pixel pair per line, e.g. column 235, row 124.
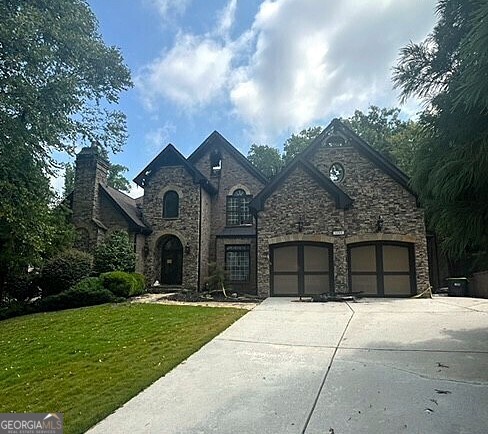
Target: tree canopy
column 449, row 71
column 298, row 142
column 58, row 81
column 266, row 159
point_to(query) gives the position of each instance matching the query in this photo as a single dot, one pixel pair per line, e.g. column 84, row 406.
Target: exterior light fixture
column 379, row 224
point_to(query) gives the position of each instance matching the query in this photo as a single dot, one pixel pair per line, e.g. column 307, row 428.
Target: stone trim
column 161, row 234
column 319, row 238
column 231, row 190
column 380, row 237
column 170, row 187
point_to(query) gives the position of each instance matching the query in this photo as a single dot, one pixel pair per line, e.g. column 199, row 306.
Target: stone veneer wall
column 205, row 237
column 232, row 175
column 374, row 194
column 298, row 196
column 90, row 170
column 185, row 227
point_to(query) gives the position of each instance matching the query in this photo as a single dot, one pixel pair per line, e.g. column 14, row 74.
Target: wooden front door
column 171, row 261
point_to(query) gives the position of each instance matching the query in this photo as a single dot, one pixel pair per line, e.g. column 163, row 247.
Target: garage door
column 382, row 269
column 301, row 269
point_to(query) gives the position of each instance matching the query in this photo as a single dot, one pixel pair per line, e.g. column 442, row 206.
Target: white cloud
column 157, row 139
column 301, row 62
column 135, row 190
column 168, row 8
column 314, row 59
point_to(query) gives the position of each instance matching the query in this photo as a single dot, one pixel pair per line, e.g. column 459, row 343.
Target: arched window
column 238, row 208
column 171, row 204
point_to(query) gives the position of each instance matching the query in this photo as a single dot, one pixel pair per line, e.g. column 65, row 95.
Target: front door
column 171, row 261
column 301, row 269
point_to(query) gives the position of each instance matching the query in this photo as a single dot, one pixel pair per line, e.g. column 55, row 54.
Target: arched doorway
column 171, row 261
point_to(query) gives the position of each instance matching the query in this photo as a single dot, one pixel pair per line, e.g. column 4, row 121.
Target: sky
column 256, row 71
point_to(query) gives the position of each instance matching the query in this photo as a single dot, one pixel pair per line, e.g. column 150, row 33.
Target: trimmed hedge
column 123, row 284
column 65, row 270
column 87, row 292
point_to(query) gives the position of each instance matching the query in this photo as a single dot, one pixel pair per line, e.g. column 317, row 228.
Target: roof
column 342, row 199
column 170, row 156
column 372, row 154
column 216, row 139
column 237, row 231
column 126, row 204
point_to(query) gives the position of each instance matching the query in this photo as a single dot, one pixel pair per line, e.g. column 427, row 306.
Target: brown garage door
column 382, row 269
column 301, row 269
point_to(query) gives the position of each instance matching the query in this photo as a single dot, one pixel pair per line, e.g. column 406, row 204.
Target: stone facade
column 301, row 205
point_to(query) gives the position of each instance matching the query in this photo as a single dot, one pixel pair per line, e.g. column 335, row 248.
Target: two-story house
column 339, row 217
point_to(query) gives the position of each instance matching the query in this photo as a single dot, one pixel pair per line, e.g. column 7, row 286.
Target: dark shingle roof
column 126, row 204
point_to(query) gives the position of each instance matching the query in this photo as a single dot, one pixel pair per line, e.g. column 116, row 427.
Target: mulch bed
column 194, row 296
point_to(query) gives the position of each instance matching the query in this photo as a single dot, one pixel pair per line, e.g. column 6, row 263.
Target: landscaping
column 87, row 362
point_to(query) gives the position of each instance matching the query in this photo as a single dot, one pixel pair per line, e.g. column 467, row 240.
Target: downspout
column 256, row 256
column 199, row 240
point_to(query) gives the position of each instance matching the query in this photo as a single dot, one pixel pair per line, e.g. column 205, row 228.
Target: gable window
column 237, row 260
column 171, row 204
column 238, row 212
column 215, row 163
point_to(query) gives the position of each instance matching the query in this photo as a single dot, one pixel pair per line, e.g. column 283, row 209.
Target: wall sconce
column 187, row 249
column 145, row 250
column 379, row 224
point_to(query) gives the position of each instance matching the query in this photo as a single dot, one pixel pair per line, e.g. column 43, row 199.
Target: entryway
column 301, row 268
column 171, row 261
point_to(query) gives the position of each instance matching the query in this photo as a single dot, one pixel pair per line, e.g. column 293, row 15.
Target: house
column 339, row 217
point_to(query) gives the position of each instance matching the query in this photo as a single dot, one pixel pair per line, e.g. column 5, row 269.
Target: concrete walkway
column 377, row 366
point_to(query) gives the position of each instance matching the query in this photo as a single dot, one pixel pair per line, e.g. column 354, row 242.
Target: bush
column 21, row 286
column 115, row 253
column 87, row 292
column 65, row 270
column 123, row 284
column 139, row 284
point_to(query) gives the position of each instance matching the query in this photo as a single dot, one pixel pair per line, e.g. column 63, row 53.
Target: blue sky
column 256, row 71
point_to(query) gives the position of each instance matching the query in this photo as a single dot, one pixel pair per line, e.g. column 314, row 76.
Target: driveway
column 375, row 366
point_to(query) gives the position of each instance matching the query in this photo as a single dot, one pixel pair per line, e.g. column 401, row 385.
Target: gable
column 340, row 198
column 216, row 143
column 171, row 157
column 337, row 138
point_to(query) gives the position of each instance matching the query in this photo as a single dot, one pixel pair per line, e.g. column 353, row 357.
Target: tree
column 266, row 159
column 69, row 179
column 298, row 142
column 115, row 254
column 57, row 83
column 447, row 71
column 116, row 179
column 383, row 129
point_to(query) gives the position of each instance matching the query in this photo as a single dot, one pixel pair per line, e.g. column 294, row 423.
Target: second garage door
column 301, row 269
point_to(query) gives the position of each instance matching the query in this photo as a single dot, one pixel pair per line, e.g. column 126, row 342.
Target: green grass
column 87, row 362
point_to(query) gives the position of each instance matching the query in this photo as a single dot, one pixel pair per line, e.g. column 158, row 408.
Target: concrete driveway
column 376, row 366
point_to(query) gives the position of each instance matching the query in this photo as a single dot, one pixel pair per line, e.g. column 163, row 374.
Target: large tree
column 298, row 142
column 58, row 81
column 265, row 158
column 384, row 130
column 449, row 71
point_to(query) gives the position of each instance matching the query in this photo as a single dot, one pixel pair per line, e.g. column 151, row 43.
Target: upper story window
column 238, row 212
column 171, row 204
column 215, row 163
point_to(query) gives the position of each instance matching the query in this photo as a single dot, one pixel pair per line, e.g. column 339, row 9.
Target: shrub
column 21, row 286
column 65, row 270
column 123, row 284
column 115, row 253
column 87, row 292
column 139, row 284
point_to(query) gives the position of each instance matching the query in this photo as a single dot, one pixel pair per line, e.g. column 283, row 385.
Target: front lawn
column 87, row 362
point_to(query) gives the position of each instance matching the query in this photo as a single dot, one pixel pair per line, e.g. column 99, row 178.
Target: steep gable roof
column 216, row 139
column 356, row 141
column 342, row 200
column 126, row 205
column 170, row 156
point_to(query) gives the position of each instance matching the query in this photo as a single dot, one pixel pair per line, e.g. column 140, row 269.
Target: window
column 215, row 163
column 171, row 204
column 336, row 172
column 238, row 208
column 237, row 261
